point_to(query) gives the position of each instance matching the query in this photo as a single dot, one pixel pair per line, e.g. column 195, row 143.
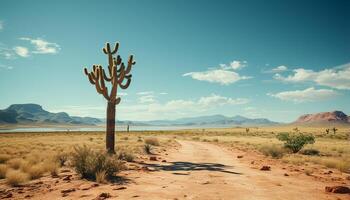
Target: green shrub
column 296, row 141
column 310, row 152
column 152, row 141
column 88, row 163
column 272, row 150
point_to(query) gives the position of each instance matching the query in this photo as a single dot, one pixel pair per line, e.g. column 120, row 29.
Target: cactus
column 327, row 131
column 334, row 130
column 247, row 130
column 118, row 75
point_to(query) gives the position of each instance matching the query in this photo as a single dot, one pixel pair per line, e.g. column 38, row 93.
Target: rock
column 163, row 160
column 144, row 168
column 240, row 156
column 8, row 195
column 65, row 170
column 68, row 190
column 265, row 168
column 103, row 195
column 95, row 185
column 338, row 189
column 28, row 196
column 285, row 174
column 252, row 162
column 120, row 188
column 153, row 158
column 67, row 178
column 348, row 178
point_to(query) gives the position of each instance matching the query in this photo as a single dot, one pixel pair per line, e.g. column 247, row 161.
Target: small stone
column 68, row 190
column 8, row 195
column 67, row 178
column 103, row 196
column 285, row 174
column 153, row 158
column 338, row 189
column 265, row 168
column 120, row 188
column 240, row 156
column 163, row 160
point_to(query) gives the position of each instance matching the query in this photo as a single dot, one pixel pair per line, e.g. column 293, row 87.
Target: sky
column 260, row 59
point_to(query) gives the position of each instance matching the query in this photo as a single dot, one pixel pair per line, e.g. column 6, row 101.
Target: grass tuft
column 16, row 177
column 152, row 141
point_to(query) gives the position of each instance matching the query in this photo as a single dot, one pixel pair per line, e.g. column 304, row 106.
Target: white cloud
column 5, row 67
column 221, row 76
column 21, row 51
column 42, row 47
column 338, row 77
column 82, row 110
column 177, row 108
column 163, row 93
column 147, row 99
column 307, row 95
column 145, row 93
column 280, row 68
column 122, row 94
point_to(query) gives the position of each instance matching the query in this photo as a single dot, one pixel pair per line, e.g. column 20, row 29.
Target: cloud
column 2, row 66
column 145, row 93
column 280, row 68
column 163, row 93
column 223, row 75
column 21, row 51
column 1, row 25
column 177, row 108
column 338, row 77
column 82, row 110
column 42, row 47
column 308, row 95
column 147, row 99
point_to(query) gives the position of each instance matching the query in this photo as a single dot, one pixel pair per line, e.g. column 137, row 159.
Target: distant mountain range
column 335, row 117
column 34, row 114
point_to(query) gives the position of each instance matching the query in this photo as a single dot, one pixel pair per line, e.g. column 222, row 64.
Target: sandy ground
column 196, row 170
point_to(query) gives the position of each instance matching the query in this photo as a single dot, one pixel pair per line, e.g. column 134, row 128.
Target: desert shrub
column 152, row 141
column 61, row 158
column 272, row 150
column 15, row 163
column 3, row 170
column 215, row 140
column 139, row 139
column 147, row 148
column 125, row 138
column 310, row 152
column 4, row 158
column 36, row 171
column 101, row 177
column 196, row 138
column 16, row 177
column 51, row 167
column 126, row 155
column 295, row 142
column 88, row 162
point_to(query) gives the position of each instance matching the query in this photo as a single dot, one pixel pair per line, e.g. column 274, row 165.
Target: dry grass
column 275, row 151
column 4, row 158
column 3, row 170
column 16, row 177
column 101, row 177
column 152, row 141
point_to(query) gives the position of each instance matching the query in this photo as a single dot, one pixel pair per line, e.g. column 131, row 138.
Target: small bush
column 16, row 177
column 61, row 158
column 125, row 155
column 3, row 170
column 4, row 158
column 152, row 141
column 215, row 140
column 15, row 163
column 125, row 138
column 310, row 152
column 148, row 148
column 101, row 177
column 272, row 150
column 139, row 139
column 295, row 142
column 36, row 171
column 88, row 162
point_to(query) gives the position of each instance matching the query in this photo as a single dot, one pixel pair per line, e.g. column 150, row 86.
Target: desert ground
column 227, row 163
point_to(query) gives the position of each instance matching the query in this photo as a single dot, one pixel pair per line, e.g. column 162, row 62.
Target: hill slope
column 34, row 113
column 334, row 117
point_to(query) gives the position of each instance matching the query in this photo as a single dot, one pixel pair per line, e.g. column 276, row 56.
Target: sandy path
column 206, row 171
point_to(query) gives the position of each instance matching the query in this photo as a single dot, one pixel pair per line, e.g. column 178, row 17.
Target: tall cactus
column 118, row 75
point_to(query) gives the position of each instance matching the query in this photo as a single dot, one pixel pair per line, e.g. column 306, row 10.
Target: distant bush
column 88, row 163
column 296, row 141
column 126, row 155
column 15, row 163
column 4, row 158
column 152, row 141
column 147, row 148
column 215, row 140
column 16, row 177
column 272, row 150
column 310, row 152
column 3, row 170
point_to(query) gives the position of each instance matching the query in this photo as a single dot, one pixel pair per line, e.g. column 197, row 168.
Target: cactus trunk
column 110, row 128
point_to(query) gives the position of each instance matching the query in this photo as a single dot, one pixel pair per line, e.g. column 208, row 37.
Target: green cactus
column 117, row 74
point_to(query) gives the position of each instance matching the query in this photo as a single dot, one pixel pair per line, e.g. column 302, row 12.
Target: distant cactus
column 296, row 129
column 127, row 128
column 247, row 130
column 117, row 73
column 334, row 130
column 327, row 131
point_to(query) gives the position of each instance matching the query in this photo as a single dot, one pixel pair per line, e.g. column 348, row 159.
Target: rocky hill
column 335, row 117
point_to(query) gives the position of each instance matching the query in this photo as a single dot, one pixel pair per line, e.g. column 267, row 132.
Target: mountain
column 34, row 113
column 335, row 117
column 212, row 120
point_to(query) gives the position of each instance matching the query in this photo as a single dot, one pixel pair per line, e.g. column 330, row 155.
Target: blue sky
column 275, row 59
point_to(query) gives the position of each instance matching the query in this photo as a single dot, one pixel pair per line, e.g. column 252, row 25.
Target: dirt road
column 205, row 171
